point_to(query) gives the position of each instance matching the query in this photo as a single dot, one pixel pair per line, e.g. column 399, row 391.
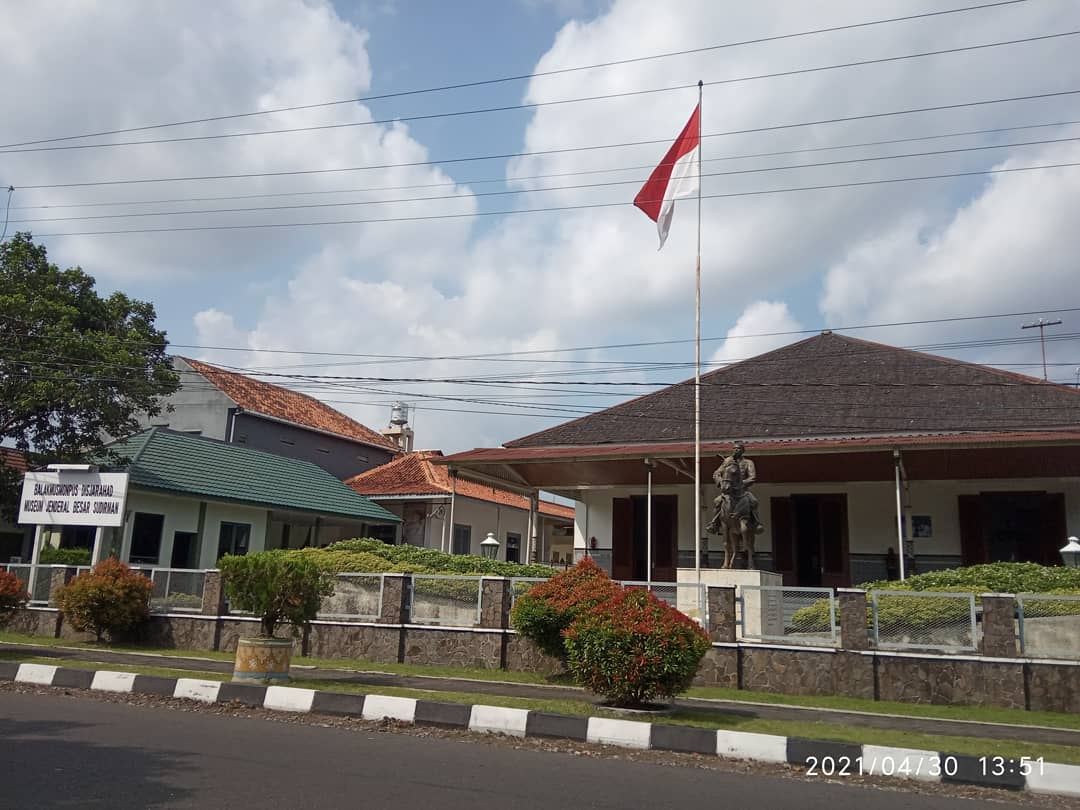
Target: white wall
column 871, row 510
column 182, row 515
column 197, row 406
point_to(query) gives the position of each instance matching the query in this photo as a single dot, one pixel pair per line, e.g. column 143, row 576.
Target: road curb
column 818, row 757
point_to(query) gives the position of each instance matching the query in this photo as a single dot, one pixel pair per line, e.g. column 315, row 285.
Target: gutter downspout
column 899, row 516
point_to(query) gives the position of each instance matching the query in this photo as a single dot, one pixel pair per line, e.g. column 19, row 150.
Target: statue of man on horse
column 736, row 516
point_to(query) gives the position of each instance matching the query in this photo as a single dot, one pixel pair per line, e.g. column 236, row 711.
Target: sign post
column 71, row 498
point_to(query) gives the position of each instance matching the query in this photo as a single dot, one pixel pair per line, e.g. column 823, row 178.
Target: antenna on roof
column 1042, row 324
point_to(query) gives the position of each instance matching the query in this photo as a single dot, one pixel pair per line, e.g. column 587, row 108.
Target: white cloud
column 755, row 332
column 588, row 277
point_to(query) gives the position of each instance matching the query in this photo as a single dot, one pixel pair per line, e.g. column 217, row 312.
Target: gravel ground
column 571, row 747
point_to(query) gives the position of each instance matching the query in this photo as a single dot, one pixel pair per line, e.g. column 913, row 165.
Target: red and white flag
column 676, row 176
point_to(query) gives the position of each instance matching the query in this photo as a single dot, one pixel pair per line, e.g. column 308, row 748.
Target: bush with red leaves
column 544, row 612
column 107, row 599
column 12, row 596
column 634, row 648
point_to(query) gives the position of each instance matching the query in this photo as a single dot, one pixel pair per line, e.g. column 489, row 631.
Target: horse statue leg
column 729, row 545
column 749, row 535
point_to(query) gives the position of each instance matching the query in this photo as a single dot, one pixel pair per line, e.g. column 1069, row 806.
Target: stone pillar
column 57, row 580
column 998, row 625
column 213, row 595
column 395, row 599
column 495, row 603
column 854, row 634
column 721, row 601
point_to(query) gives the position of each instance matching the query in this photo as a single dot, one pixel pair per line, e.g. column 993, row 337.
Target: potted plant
column 280, row 588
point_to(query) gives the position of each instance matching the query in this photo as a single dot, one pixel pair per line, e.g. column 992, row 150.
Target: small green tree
column 276, row 586
column 107, row 599
column 12, row 596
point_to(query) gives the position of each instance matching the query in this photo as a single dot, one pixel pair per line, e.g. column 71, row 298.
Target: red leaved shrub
column 634, row 647
column 549, row 608
column 12, row 596
column 107, row 599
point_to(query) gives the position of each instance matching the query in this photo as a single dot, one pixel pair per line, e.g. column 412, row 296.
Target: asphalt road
column 60, row 751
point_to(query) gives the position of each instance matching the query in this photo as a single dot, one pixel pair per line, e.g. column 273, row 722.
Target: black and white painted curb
column 817, row 757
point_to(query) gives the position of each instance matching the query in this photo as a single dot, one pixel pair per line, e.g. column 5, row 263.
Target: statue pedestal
column 761, row 612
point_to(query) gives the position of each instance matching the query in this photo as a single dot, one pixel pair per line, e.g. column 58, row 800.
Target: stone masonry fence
column 996, row 674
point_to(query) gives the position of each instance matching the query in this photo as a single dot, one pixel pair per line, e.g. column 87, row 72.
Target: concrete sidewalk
column 764, row 711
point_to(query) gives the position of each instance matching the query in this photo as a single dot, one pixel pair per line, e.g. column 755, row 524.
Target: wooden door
column 665, row 511
column 783, row 539
column 1052, row 529
column 972, row 546
column 622, row 538
column 833, row 533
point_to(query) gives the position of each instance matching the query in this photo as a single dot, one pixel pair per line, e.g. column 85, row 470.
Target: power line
column 470, row 159
column 554, row 208
column 508, row 192
column 634, row 345
column 520, row 77
column 504, row 179
column 538, row 104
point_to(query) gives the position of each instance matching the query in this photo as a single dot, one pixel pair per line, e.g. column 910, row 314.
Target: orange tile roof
column 282, row 403
column 15, row 459
column 414, row 474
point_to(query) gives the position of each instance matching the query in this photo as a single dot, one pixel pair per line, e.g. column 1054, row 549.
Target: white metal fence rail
column 519, row 586
column 1049, row 625
column 445, row 599
column 37, row 579
column 686, row 597
column 356, row 596
column 175, row 590
column 934, row 620
column 787, row 615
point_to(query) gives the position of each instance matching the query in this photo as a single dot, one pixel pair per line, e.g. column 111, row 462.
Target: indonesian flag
column 676, row 176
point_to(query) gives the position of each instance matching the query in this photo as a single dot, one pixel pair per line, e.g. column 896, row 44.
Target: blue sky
column 477, row 284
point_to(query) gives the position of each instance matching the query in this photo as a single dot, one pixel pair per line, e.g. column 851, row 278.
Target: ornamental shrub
column 64, row 556
column 544, row 612
column 107, row 599
column 12, row 596
column 406, row 559
column 634, row 648
column 277, row 586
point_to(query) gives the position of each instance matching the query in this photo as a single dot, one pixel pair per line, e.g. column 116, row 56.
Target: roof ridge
column 358, row 431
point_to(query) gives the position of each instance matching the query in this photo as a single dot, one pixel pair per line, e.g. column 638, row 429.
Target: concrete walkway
column 764, row 711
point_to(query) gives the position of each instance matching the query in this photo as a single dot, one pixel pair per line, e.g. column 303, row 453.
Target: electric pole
column 1042, row 324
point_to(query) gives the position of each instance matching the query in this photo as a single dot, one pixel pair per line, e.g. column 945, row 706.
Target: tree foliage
column 276, row 586
column 77, row 367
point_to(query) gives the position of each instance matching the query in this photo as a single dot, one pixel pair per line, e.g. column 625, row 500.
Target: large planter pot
column 262, row 660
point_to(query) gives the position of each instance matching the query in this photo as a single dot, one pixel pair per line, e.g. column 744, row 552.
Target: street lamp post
column 1070, row 554
column 489, row 547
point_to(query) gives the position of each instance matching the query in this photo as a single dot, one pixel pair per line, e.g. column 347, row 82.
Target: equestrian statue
column 736, row 516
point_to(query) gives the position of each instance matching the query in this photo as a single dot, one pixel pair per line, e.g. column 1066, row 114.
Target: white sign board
column 73, row 498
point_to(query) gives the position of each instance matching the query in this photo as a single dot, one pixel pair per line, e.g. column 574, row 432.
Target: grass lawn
column 984, row 714
column 971, row 713
column 976, row 746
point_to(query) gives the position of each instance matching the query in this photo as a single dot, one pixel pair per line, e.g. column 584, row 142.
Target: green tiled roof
column 165, row 460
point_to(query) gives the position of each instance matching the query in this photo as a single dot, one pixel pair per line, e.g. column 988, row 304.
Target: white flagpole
column 697, row 364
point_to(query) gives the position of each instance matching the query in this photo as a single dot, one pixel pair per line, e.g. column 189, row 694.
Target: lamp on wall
column 1070, row 554
column 489, row 547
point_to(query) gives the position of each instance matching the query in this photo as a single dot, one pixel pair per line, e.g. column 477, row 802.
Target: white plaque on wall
column 73, row 498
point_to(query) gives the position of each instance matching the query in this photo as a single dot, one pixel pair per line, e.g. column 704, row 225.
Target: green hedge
column 976, row 579
column 367, row 556
column 64, row 556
